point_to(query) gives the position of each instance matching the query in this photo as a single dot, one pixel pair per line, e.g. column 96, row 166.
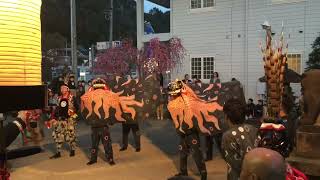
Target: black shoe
column 204, row 176
column 181, row 174
column 91, row 162
column 111, row 162
column 56, row 156
column 123, row 149
column 72, row 153
column 178, row 176
column 138, row 149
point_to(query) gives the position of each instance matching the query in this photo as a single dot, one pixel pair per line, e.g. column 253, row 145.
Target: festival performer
column 133, row 87
column 101, row 107
column 211, row 93
column 239, row 139
column 64, row 122
column 184, row 107
column 100, row 131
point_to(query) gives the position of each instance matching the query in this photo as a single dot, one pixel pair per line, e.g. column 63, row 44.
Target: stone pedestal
column 307, row 154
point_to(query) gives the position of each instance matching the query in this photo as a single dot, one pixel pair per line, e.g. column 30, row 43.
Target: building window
column 208, row 3
column 196, row 68
column 196, row 4
column 202, row 67
column 294, row 62
column 285, row 1
column 208, row 67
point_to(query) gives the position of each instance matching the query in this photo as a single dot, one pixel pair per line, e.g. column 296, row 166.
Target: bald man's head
column 263, row 164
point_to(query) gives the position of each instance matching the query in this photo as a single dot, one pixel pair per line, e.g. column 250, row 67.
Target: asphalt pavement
column 158, row 159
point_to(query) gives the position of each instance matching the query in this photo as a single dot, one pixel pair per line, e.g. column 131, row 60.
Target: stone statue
column 307, row 153
column 311, row 101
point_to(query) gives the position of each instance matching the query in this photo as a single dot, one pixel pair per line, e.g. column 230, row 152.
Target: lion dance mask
column 184, row 105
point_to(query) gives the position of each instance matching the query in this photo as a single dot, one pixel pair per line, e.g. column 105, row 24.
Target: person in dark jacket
column 100, row 131
column 186, row 79
column 259, row 109
column 239, row 139
column 160, row 79
column 58, row 85
column 161, row 102
column 72, row 85
column 250, row 108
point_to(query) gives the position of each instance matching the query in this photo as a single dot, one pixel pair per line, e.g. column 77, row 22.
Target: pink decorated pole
column 162, row 56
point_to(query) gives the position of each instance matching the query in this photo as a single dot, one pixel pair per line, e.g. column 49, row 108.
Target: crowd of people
column 233, row 144
column 254, row 111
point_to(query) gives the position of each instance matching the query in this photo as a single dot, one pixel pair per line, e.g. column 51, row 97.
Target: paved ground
column 158, row 159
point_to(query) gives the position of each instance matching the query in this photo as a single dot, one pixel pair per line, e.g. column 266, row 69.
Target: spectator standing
column 72, row 85
column 187, row 79
column 215, row 78
column 259, row 109
column 250, row 109
column 81, row 88
column 162, row 101
column 160, row 79
column 213, row 89
column 89, row 85
column 59, row 84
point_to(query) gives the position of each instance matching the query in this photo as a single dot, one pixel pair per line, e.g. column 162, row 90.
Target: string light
column 151, row 65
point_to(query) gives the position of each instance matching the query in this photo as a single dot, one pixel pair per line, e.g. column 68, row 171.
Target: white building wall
column 221, row 32
column 295, row 15
column 211, row 33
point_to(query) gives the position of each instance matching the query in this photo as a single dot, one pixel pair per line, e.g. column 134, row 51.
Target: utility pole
column 108, row 14
column 74, row 48
column 111, row 23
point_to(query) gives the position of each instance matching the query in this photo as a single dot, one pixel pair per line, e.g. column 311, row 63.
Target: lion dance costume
column 100, row 131
column 185, row 107
column 96, row 105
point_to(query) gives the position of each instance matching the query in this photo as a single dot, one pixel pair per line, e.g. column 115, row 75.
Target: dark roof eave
column 164, row 3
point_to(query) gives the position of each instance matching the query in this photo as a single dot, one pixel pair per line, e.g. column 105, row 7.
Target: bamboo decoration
column 275, row 60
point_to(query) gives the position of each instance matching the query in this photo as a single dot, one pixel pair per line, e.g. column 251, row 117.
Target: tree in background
column 314, row 56
column 157, row 56
column 116, row 60
column 162, row 56
column 92, row 26
column 55, row 23
column 159, row 20
column 53, row 40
